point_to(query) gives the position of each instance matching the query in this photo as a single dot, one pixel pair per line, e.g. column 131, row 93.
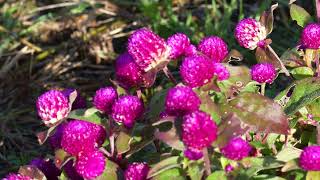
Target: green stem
column 263, row 88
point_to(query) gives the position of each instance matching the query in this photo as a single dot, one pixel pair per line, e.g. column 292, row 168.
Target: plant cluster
column 218, row 122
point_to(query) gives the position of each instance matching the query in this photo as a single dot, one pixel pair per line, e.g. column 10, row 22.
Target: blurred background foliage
column 54, row 43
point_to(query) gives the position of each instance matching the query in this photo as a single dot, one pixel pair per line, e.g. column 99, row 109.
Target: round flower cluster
column 310, row 158
column 236, row 149
column 310, row 36
column 136, row 171
column 263, row 73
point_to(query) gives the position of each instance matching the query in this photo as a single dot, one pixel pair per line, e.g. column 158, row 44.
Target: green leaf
column 195, row 170
column 313, row 108
column 90, row 115
column 254, row 164
column 61, row 158
column 299, row 14
column 288, row 153
column 111, row 172
column 290, row 165
column 44, row 135
column 304, row 93
column 170, row 137
column 259, row 112
column 302, row 72
column 292, row 58
column 313, row 175
column 123, row 142
column 266, row 19
column 80, row 8
column 156, row 105
column 239, row 78
column 174, row 174
column 221, row 175
column 208, row 106
column 169, row 163
column 267, row 176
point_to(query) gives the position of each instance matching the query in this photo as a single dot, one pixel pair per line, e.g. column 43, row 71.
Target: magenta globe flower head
column 104, row 99
column 47, row 167
column 71, row 172
column 149, row 50
column 214, row 47
column 55, row 139
column 228, row 168
column 136, row 171
column 13, row 176
column 236, row 149
column 90, row 164
column 263, row 73
column 81, row 136
column 178, row 44
column 220, row 71
column 79, row 102
column 250, row 33
column 310, row 158
column 198, row 130
column 193, row 154
column 310, row 36
column 196, row 71
column 128, row 73
column 52, row 107
column 191, row 50
column 181, row 100
column 127, row 109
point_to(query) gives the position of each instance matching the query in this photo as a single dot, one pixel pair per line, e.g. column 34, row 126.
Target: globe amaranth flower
column 220, row 71
column 127, row 109
column 213, row 47
column 71, row 172
column 310, row 158
column 250, row 33
column 55, row 139
column 128, row 73
column 90, row 164
column 310, row 36
column 228, row 168
column 193, row 154
column 81, row 136
column 263, row 73
column 13, row 176
column 52, row 107
column 198, row 130
column 47, row 167
column 149, row 50
column 136, row 171
column 191, row 50
column 236, row 149
column 104, row 99
column 196, row 71
column 178, row 44
column 181, row 100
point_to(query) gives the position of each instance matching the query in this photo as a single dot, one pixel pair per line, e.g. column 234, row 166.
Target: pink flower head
column 310, row 158
column 263, row 73
column 127, row 109
column 191, row 50
column 220, row 71
column 52, row 107
column 213, row 47
column 193, row 154
column 196, row 71
column 47, row 167
column 228, row 168
column 79, row 102
column 249, row 33
column 310, row 36
column 236, row 149
column 198, row 130
column 181, row 100
column 90, row 164
column 148, row 49
column 136, row 171
column 104, row 99
column 128, row 73
column 13, row 176
column 81, row 136
column 178, row 43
